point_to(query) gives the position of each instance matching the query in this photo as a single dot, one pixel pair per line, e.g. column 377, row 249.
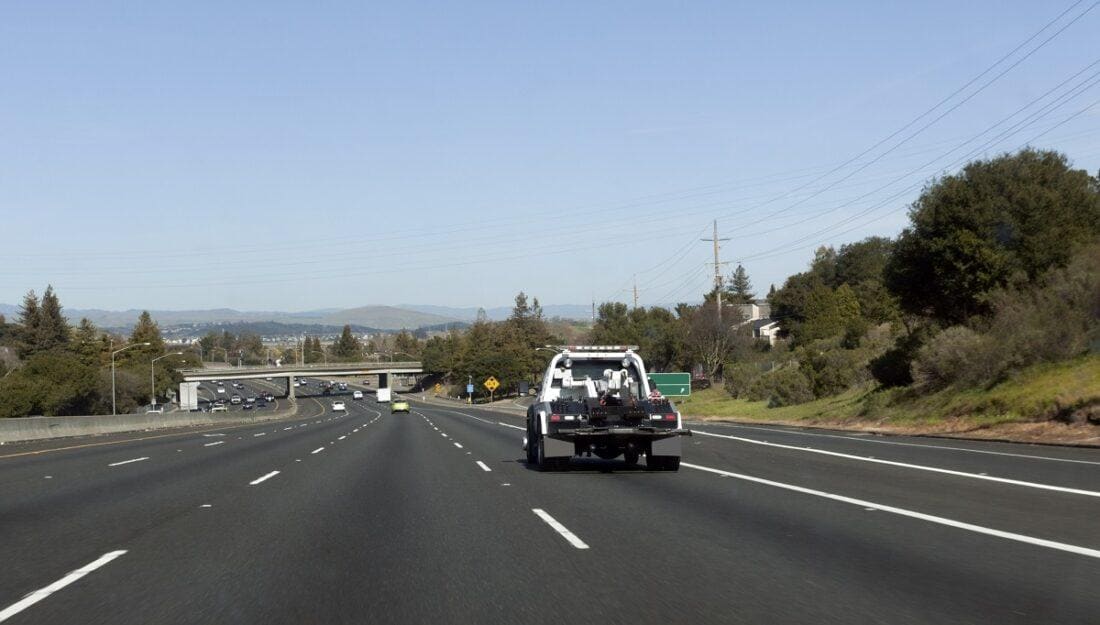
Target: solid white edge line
column 906, row 465
column 214, row 443
column 318, row 450
column 40, row 594
column 263, row 478
column 115, row 464
column 559, row 528
column 1041, row 542
column 484, row 467
column 861, row 439
column 509, row 425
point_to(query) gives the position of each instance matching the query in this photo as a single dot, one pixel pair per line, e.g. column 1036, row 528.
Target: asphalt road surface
column 365, row 516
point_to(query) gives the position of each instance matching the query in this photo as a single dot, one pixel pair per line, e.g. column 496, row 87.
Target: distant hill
column 385, row 318
column 565, row 311
column 409, row 317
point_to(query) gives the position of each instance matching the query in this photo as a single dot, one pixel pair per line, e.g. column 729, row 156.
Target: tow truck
column 598, row 400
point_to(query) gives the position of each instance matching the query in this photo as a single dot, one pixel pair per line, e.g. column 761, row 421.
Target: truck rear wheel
column 548, row 464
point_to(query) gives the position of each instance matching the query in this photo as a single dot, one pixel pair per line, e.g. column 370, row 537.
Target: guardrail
column 36, row 428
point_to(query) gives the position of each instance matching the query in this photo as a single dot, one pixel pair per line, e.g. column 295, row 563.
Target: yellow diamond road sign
column 492, row 384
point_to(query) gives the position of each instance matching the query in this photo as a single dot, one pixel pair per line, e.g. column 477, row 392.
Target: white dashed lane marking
column 115, row 464
column 263, row 478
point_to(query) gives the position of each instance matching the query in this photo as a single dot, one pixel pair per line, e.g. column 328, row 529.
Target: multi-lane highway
column 365, row 516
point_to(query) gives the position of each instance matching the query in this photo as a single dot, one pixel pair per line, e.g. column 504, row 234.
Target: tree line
column 61, row 369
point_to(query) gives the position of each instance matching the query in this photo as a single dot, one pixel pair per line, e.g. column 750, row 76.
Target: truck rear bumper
column 655, row 442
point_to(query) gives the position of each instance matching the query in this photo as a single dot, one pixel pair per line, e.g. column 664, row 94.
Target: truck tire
column 532, row 440
column 631, row 458
column 548, row 464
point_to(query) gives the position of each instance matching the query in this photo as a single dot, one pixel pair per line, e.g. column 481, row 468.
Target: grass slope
column 1039, row 393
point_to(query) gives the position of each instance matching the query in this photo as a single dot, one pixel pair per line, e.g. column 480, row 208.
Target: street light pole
column 152, row 384
column 113, row 412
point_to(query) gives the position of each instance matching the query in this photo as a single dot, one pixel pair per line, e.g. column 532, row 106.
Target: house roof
column 759, row 324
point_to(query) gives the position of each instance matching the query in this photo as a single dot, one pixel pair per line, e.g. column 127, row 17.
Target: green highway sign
column 672, row 384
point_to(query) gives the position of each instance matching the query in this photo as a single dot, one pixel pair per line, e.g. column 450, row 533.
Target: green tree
column 53, row 329
column 406, row 344
column 829, row 312
column 30, row 318
column 52, row 383
column 346, row 347
column 87, row 343
column 997, row 223
column 146, row 331
column 740, row 288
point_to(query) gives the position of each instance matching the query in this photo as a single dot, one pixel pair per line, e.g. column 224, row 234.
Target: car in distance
column 219, row 407
column 235, row 399
column 155, row 409
column 269, row 397
column 221, row 390
column 357, row 395
column 339, row 405
column 248, row 406
column 399, row 405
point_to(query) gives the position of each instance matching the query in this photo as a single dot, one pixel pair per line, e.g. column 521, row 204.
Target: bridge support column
column 290, row 387
column 383, row 380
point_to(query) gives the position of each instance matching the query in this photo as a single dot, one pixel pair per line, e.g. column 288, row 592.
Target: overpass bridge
column 290, row 372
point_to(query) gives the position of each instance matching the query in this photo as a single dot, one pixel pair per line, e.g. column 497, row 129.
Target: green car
column 399, row 406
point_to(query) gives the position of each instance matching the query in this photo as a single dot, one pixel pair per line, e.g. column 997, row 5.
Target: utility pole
column 635, row 291
column 717, row 269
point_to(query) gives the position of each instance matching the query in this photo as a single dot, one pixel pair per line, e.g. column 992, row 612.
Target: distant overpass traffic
column 289, row 372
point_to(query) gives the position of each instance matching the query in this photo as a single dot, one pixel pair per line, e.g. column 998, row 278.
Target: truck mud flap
column 666, row 447
column 553, row 448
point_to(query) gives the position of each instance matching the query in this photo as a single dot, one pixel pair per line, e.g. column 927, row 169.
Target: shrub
column 892, row 367
column 830, row 371
column 786, row 386
column 738, row 378
column 958, row 355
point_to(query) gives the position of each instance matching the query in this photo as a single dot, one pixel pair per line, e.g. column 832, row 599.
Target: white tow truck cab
column 596, row 400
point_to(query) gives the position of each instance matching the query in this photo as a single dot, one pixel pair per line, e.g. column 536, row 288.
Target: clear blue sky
column 270, row 155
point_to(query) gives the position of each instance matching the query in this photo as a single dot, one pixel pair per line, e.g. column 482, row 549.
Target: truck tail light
column 555, row 418
column 670, row 417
